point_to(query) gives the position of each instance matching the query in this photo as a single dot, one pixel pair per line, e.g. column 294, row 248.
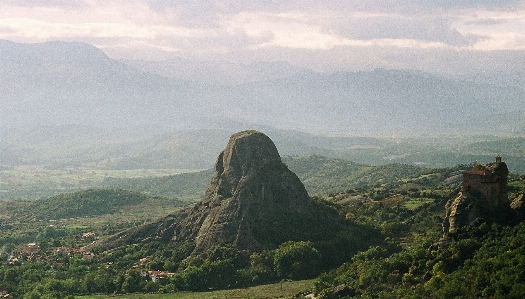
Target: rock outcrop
column 483, row 196
column 518, row 206
column 253, row 202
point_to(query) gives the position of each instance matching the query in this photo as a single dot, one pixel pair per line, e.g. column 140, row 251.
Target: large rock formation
column 253, row 202
column 483, row 196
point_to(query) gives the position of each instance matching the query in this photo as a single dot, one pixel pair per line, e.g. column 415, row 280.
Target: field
column 32, row 182
column 284, row 289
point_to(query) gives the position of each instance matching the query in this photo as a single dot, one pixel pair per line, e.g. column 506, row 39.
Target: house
column 89, row 235
column 145, row 260
column 12, row 260
column 158, row 276
column 24, row 252
column 73, row 252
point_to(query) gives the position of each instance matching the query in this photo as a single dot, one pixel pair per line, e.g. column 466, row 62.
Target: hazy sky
column 454, row 36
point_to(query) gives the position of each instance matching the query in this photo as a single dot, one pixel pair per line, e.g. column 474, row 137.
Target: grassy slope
column 285, row 289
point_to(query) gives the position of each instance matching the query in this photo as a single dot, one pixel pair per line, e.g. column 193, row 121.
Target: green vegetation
column 87, row 203
column 386, row 224
column 487, row 262
column 251, row 132
column 484, row 260
column 186, row 186
column 30, row 182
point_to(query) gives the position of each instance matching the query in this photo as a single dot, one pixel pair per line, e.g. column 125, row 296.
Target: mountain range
column 74, row 83
column 68, row 104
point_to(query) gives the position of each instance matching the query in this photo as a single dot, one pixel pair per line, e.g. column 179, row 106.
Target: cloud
column 501, row 30
column 469, row 3
column 379, row 32
column 48, row 3
column 29, row 28
column 327, row 30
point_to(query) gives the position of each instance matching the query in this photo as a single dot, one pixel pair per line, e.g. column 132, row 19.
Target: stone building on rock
column 489, row 181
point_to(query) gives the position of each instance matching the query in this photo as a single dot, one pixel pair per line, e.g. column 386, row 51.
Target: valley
column 46, row 169
column 127, row 178
column 404, row 204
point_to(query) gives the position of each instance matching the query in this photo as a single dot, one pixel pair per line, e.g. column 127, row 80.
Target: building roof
column 475, row 171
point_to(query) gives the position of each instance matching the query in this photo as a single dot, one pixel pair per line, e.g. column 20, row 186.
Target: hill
column 479, row 259
column 386, row 249
column 91, row 147
column 320, row 175
column 185, row 186
column 89, row 203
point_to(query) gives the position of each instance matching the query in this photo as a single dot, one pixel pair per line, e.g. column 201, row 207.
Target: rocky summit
column 253, row 202
column 483, row 197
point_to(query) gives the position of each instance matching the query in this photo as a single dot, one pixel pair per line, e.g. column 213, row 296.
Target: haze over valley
column 67, row 105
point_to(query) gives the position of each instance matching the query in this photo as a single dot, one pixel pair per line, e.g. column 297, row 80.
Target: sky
column 444, row 36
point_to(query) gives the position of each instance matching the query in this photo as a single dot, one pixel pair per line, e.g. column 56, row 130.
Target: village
column 60, row 258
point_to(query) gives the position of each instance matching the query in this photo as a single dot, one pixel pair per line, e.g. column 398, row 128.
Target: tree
column 132, row 282
column 11, row 275
column 296, row 260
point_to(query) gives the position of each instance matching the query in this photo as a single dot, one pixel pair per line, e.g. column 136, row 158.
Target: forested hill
column 186, row 186
column 319, row 174
column 89, row 203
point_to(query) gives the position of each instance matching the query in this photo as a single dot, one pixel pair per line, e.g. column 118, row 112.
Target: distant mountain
column 377, row 101
column 216, row 72
column 68, row 104
column 499, row 78
column 74, row 83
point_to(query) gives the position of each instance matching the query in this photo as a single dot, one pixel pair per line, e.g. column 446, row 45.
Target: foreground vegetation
column 282, row 289
column 486, row 262
column 402, row 205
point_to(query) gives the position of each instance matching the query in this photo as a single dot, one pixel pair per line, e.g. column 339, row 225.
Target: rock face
column 250, row 186
column 517, row 205
column 253, row 202
column 483, row 195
